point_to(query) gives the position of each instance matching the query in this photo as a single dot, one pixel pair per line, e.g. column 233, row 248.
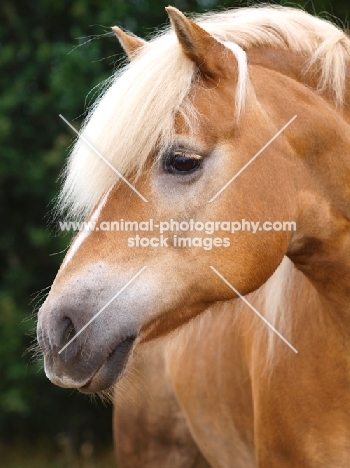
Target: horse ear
column 131, row 44
column 200, row 46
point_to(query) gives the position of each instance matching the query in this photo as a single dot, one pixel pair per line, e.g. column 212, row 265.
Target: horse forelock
column 134, row 116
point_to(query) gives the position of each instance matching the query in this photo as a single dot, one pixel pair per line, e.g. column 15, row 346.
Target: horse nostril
column 68, row 330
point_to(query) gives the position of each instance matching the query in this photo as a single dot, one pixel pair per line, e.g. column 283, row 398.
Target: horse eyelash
column 187, row 155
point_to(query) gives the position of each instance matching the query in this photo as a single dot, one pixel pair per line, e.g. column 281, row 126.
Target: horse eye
column 181, row 163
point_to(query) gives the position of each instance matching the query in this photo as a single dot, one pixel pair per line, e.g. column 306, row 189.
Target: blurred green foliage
column 52, row 54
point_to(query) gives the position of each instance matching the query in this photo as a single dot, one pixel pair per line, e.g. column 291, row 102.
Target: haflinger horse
column 199, row 378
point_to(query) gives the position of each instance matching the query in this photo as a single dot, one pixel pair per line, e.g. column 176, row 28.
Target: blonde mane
column 134, row 116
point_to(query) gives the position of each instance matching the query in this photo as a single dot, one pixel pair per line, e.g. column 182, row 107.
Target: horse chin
column 111, row 369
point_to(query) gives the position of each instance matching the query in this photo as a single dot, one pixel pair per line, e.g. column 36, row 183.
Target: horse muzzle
column 91, row 360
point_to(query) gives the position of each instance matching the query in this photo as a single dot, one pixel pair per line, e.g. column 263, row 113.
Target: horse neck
column 294, row 66
column 320, row 141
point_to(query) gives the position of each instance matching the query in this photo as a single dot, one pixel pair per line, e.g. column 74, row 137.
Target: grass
column 62, row 455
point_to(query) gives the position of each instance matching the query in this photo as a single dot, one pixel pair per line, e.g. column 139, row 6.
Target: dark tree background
column 52, row 54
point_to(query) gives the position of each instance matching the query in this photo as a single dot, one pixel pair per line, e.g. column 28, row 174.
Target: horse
column 238, row 354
